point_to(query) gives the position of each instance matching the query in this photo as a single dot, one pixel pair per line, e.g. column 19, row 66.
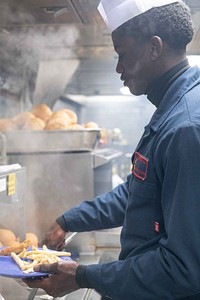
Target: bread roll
column 33, row 238
column 76, row 127
column 7, row 236
column 91, row 125
column 71, row 114
column 7, row 125
column 34, row 124
column 57, row 124
column 21, row 119
column 60, row 114
column 42, row 111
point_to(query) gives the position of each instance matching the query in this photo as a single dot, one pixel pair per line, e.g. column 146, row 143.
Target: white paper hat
column 117, row 12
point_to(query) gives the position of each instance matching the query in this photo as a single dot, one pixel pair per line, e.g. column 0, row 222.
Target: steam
column 22, row 48
column 26, row 47
column 13, row 14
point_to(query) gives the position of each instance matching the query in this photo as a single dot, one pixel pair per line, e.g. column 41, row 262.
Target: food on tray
column 42, row 111
column 7, row 125
column 7, row 237
column 33, row 238
column 71, row 114
column 34, row 124
column 57, row 124
column 26, row 260
column 60, row 114
column 21, row 119
column 61, row 119
column 91, row 125
column 76, row 127
column 43, row 118
column 15, row 249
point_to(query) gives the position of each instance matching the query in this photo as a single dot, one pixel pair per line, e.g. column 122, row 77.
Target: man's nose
column 119, row 68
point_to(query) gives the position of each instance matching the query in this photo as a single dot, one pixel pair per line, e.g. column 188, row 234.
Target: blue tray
column 9, row 268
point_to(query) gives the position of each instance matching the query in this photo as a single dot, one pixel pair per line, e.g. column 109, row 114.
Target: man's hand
column 61, row 282
column 54, row 238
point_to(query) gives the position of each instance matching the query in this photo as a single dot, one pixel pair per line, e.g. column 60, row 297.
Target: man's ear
column 156, row 47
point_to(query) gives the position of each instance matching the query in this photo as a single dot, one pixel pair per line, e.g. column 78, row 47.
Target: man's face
column 134, row 63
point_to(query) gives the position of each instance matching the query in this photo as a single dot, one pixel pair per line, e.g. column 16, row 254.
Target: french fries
column 26, row 260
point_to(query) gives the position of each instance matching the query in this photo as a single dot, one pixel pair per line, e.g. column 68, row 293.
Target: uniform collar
column 175, row 92
column 157, row 92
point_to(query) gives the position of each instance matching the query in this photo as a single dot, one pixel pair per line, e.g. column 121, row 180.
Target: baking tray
column 51, row 141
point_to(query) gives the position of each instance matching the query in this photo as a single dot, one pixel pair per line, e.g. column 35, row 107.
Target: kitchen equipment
column 70, row 238
column 2, row 149
column 12, row 198
column 12, row 216
column 51, row 141
column 63, row 169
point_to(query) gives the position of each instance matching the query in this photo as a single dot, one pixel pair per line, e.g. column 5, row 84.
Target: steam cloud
column 23, row 47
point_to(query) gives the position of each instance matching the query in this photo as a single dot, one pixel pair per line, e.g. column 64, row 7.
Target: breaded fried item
column 16, row 249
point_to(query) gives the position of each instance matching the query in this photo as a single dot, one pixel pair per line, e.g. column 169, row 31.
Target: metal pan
column 51, row 141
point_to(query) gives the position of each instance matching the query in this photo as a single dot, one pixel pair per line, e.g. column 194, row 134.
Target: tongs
column 69, row 238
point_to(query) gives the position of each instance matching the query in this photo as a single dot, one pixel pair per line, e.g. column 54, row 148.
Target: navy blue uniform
column 158, row 207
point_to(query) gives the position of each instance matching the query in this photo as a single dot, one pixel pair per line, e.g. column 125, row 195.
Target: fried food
column 26, row 260
column 15, row 249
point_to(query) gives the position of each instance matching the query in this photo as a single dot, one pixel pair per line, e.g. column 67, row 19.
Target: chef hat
column 117, row 12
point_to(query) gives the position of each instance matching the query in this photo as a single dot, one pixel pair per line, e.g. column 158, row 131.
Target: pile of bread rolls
column 8, row 238
column 43, row 118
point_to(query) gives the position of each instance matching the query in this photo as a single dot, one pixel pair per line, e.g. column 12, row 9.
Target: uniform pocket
column 142, row 189
column 141, row 209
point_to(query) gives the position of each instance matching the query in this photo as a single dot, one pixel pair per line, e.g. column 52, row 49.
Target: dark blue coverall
column 158, row 207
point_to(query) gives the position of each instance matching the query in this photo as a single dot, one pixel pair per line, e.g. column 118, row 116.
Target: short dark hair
column 172, row 23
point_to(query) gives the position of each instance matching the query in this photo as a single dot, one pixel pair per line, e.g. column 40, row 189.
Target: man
column 159, row 205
